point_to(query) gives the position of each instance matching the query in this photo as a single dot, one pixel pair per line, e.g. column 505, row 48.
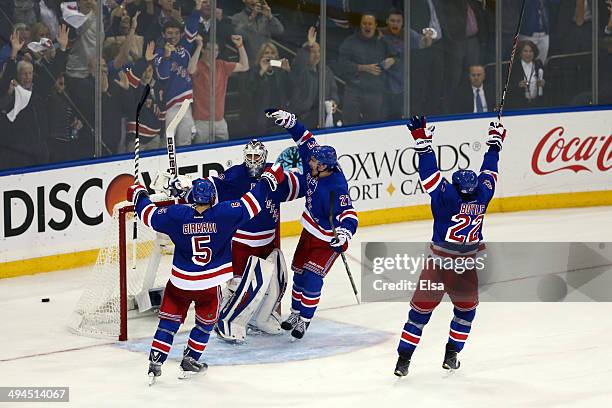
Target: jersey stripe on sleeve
column 432, row 182
column 251, row 204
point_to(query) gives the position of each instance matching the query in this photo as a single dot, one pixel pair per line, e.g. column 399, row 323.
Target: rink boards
column 58, row 218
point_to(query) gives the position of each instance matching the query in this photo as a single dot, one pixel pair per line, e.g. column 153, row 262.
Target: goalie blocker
column 253, row 300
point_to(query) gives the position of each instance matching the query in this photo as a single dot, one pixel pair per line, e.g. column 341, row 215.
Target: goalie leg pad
column 239, row 309
column 162, row 341
column 266, row 318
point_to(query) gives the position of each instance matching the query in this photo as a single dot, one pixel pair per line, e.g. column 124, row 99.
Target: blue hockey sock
column 198, row 339
column 296, row 292
column 460, row 327
column 411, row 335
column 162, row 341
column 310, row 294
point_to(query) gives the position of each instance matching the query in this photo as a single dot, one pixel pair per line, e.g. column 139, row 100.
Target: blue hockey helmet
column 465, row 181
column 325, row 155
column 203, row 191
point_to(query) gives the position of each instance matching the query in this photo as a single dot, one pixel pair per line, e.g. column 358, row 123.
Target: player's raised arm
column 292, row 188
column 191, row 27
column 303, row 137
column 239, row 212
column 431, row 178
column 159, row 219
column 489, row 170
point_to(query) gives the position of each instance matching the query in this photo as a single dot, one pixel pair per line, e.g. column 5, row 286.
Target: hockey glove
column 180, row 186
column 497, row 134
column 282, row 118
column 340, row 242
column 274, row 176
column 421, row 134
column 134, row 191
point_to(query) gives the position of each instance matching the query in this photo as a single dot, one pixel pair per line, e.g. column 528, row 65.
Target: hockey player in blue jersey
column 256, row 238
column 171, row 65
column 202, row 260
column 317, row 248
column 458, row 210
column 259, row 236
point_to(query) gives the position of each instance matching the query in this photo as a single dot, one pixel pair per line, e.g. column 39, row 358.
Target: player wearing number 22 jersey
column 458, row 210
column 202, row 261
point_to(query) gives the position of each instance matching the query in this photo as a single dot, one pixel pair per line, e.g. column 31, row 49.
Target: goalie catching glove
column 180, row 186
column 497, row 135
column 134, row 191
column 274, row 176
column 282, row 118
column 421, row 134
column 340, row 242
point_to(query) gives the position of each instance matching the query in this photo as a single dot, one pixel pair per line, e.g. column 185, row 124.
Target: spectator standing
column 364, row 56
column 394, row 76
column 304, row 80
column 24, row 122
column 24, row 33
column 171, row 68
column 136, row 79
column 575, row 22
column 535, row 26
column 473, row 96
column 50, row 14
column 153, row 19
column 224, row 28
column 268, row 86
column 199, row 69
column 465, row 35
column 526, row 89
column 427, row 64
column 256, row 24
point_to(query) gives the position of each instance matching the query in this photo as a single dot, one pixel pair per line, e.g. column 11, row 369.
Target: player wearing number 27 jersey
column 202, row 260
column 328, row 207
column 458, row 210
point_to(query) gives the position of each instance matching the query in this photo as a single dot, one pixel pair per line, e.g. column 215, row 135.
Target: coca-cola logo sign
column 556, row 152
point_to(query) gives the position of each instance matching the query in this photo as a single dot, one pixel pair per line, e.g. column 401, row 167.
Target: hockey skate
column 190, row 367
column 450, row 358
column 291, row 321
column 300, row 328
column 403, row 362
column 154, row 372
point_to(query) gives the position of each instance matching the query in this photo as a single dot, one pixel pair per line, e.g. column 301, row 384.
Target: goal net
column 127, row 275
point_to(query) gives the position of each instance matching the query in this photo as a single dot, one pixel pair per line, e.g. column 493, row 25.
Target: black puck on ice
column 44, row 300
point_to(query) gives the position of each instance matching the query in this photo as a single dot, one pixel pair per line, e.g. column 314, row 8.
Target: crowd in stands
column 267, row 54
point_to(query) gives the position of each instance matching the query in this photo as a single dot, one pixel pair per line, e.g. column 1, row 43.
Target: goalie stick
column 514, row 46
column 332, row 198
column 170, row 130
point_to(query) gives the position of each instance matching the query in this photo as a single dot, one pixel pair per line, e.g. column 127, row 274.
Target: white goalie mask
column 255, row 155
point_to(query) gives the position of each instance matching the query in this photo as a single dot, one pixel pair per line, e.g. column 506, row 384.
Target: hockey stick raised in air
column 170, row 131
column 143, row 99
column 332, row 199
column 514, row 45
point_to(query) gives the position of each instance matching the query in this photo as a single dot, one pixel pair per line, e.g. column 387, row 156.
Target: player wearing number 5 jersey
column 202, row 260
column 458, row 209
